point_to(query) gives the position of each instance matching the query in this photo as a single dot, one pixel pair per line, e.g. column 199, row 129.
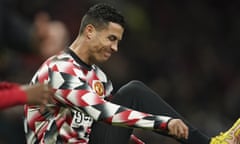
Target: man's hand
column 39, row 94
column 178, row 128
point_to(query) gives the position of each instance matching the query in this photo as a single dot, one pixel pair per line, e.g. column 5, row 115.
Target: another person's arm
column 13, row 94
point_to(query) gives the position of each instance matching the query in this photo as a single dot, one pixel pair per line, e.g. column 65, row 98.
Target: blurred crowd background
column 187, row 51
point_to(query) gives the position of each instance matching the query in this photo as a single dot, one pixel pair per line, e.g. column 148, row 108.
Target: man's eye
column 112, row 38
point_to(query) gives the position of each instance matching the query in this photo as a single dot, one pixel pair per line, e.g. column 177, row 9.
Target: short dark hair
column 100, row 15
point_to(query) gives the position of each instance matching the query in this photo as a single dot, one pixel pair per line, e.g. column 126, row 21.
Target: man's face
column 104, row 42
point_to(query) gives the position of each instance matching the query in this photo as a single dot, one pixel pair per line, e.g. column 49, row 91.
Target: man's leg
column 137, row 96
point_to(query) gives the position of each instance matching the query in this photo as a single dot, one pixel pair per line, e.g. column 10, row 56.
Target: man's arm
column 13, row 94
column 72, row 91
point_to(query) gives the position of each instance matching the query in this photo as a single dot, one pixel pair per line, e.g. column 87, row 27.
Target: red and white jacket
column 80, row 92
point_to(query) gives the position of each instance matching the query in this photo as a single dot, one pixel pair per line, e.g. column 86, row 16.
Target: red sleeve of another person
column 11, row 95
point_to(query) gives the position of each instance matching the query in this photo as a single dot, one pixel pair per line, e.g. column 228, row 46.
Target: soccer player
column 13, row 94
column 86, row 110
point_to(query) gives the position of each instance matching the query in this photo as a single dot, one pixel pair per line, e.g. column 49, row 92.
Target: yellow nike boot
column 232, row 136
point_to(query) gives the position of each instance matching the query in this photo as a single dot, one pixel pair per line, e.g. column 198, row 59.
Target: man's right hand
column 178, row 128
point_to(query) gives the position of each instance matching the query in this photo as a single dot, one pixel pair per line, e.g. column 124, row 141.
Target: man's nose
column 114, row 47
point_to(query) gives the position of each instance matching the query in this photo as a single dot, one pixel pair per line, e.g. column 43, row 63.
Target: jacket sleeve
column 11, row 95
column 72, row 90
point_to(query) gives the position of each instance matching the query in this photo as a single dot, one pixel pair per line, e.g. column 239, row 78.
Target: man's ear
column 90, row 31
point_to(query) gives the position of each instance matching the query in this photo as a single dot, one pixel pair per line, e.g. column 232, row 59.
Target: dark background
column 187, row 51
